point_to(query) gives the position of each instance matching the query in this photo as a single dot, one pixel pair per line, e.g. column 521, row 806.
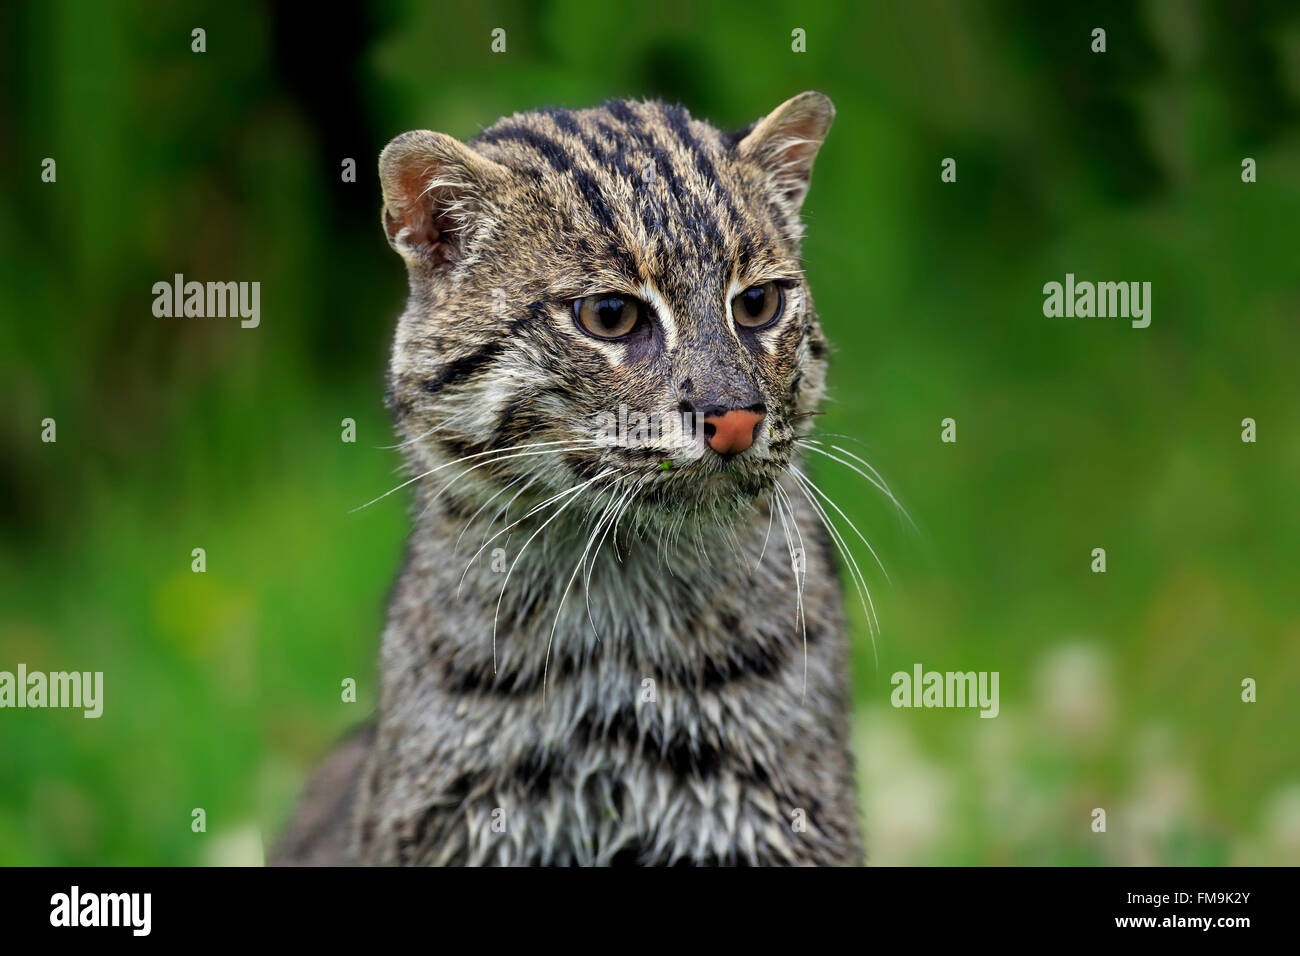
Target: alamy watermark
column 923, row 688
column 1086, row 300
column 213, row 300
column 74, row 689
column 129, row 910
column 660, row 430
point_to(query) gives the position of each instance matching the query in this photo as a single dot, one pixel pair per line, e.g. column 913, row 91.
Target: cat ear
column 434, row 188
column 784, row 143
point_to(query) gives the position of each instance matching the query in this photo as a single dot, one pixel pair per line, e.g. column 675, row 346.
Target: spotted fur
column 664, row 688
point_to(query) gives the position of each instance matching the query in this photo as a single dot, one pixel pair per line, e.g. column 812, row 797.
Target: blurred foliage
column 1118, row 690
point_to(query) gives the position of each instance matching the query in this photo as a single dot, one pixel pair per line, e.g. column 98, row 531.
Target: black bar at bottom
column 217, row 906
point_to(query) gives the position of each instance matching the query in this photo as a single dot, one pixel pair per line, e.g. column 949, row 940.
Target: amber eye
column 608, row 315
column 758, row 306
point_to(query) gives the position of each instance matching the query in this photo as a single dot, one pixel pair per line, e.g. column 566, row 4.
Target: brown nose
column 731, row 430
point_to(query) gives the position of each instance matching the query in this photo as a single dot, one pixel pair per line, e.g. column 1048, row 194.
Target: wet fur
column 682, row 697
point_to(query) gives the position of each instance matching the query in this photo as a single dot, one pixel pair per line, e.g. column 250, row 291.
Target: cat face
column 609, row 298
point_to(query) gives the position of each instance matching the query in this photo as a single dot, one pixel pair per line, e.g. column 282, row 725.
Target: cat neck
column 520, row 603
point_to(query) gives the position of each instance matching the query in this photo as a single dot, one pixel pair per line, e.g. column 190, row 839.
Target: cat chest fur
column 678, row 722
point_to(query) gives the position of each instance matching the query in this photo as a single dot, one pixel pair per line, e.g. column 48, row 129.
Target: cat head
column 610, row 296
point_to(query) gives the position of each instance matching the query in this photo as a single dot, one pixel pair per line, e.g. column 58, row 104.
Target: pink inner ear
column 418, row 226
column 432, row 187
column 422, row 214
column 414, row 204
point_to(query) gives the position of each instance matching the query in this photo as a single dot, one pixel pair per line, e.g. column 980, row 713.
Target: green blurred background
column 1119, row 690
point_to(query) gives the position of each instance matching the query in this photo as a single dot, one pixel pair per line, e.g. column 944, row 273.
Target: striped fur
column 669, row 700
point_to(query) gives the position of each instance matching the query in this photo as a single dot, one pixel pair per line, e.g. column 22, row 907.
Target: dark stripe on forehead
column 563, row 119
column 680, row 123
column 591, row 192
column 565, row 122
column 654, row 216
column 613, row 158
column 560, row 161
column 703, row 228
column 700, row 216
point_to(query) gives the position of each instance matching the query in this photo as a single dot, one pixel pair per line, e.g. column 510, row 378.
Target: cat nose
column 729, row 431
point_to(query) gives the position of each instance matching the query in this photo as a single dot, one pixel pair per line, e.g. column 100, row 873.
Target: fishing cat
column 603, row 650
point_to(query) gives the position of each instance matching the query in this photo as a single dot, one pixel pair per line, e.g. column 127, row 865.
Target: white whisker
column 827, row 499
column 878, row 481
column 559, row 511
column 511, row 525
column 592, row 564
column 493, row 461
column 494, row 451
column 456, row 547
column 798, row 580
column 855, row 572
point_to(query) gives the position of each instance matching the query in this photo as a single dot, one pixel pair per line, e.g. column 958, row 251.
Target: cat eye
column 758, row 306
column 608, row 315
